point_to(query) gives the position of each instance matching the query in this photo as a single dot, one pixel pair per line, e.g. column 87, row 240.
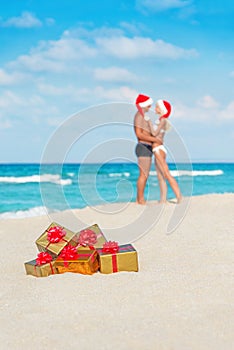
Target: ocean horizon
column 31, row 189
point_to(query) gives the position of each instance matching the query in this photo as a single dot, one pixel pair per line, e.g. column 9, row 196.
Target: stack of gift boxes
column 85, row 252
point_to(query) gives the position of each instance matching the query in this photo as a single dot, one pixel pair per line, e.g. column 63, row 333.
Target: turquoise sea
column 26, row 189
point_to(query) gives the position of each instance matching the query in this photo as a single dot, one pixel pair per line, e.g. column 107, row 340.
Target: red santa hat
column 165, row 108
column 144, row 101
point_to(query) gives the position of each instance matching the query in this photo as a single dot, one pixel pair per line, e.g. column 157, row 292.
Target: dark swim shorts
column 143, row 150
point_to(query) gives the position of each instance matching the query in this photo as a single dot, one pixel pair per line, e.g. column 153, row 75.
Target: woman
column 163, row 109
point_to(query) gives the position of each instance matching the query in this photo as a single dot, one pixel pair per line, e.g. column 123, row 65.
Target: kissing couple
column 150, row 138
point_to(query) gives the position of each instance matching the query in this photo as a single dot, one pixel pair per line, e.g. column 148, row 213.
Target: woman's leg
column 162, row 183
column 144, row 164
column 161, row 163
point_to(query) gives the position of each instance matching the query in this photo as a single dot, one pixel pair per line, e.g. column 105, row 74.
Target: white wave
column 65, row 182
column 71, row 174
column 126, row 174
column 193, row 172
column 36, row 211
column 36, row 178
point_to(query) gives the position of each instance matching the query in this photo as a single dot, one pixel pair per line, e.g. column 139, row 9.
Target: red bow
column 55, row 234
column 43, row 258
column 87, row 238
column 69, row 253
column 110, row 247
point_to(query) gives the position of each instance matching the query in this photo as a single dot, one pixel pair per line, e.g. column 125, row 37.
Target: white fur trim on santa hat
column 146, row 103
column 162, row 107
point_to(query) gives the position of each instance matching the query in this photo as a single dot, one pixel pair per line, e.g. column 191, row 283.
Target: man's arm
column 139, row 131
column 143, row 137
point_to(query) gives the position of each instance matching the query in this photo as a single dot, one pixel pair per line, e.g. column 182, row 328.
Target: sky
column 59, row 58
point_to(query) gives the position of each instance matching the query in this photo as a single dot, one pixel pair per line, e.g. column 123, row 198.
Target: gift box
column 115, row 258
column 55, row 238
column 43, row 266
column 75, row 260
column 91, row 237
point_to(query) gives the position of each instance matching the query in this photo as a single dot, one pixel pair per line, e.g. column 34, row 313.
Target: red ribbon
column 84, row 255
column 112, row 248
column 87, row 238
column 68, row 253
column 44, row 258
column 55, row 234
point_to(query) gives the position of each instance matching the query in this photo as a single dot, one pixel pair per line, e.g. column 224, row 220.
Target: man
column 144, row 147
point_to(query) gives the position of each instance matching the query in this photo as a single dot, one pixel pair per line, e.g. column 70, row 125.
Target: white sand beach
column 181, row 298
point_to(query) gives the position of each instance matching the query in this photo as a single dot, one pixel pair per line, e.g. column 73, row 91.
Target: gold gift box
column 124, row 260
column 86, row 263
column 44, row 270
column 101, row 239
column 44, row 245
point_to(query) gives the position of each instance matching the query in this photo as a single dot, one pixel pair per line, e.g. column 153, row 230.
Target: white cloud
column 69, row 49
column 71, row 53
column 10, row 78
column 26, row 20
column 132, row 48
column 94, row 95
column 10, row 99
column 208, row 102
column 228, row 112
column 67, row 91
column 208, row 111
column 13, row 100
column 232, row 74
column 80, row 64
column 90, row 31
column 123, row 93
column 133, row 28
column 55, row 56
column 193, row 112
column 9, row 104
column 38, row 63
column 114, row 74
column 52, row 90
column 15, row 107
column 161, row 5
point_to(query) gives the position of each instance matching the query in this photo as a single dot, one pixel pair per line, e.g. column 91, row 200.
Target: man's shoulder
column 138, row 118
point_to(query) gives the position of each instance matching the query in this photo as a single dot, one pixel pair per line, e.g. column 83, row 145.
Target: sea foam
column 56, row 179
column 192, row 173
column 126, row 174
column 36, row 211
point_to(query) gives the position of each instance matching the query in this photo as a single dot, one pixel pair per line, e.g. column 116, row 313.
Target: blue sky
column 60, row 57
